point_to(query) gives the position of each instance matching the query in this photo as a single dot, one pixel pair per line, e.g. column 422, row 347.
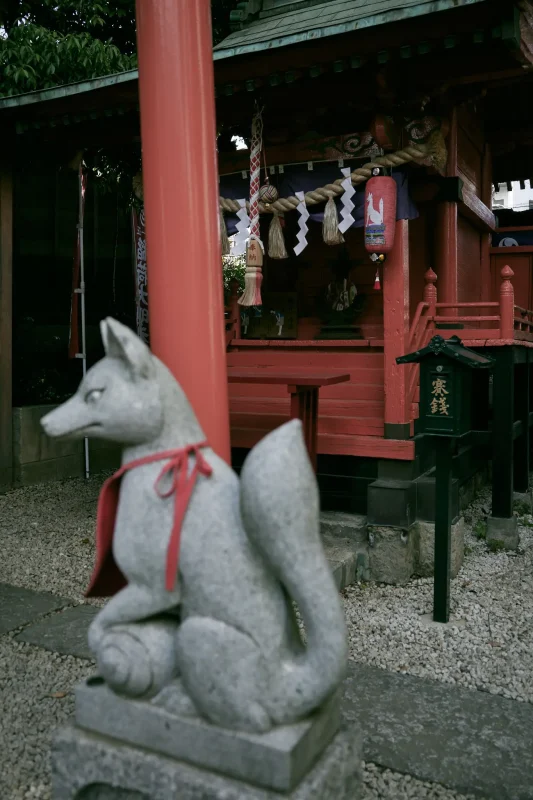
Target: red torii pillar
column 186, row 305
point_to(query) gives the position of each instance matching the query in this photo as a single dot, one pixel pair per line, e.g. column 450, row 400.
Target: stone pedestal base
column 504, row 530
column 127, row 749
column 87, row 766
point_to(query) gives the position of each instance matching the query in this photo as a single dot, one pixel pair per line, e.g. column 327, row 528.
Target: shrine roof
column 453, row 348
column 297, row 22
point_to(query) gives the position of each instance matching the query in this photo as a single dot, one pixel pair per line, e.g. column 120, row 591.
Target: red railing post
column 396, row 334
column 506, row 304
column 430, row 292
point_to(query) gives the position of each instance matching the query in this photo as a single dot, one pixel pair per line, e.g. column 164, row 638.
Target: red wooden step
column 336, row 425
column 314, row 359
column 362, row 446
column 280, row 405
column 341, row 391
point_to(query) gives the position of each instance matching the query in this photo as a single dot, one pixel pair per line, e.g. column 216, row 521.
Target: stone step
column 344, row 526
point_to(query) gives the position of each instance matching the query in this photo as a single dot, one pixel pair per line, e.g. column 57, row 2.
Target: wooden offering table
column 304, row 395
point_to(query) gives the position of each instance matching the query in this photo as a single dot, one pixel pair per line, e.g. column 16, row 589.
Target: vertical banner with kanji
column 141, row 286
column 74, row 334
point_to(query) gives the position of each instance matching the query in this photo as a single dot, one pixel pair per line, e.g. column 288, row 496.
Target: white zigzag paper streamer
column 346, row 200
column 304, row 216
column 243, row 225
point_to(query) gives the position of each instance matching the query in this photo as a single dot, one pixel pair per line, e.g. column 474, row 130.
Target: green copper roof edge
column 394, row 15
column 69, row 89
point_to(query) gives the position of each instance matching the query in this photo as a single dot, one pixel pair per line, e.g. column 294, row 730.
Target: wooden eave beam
column 403, row 83
column 476, row 211
column 469, row 205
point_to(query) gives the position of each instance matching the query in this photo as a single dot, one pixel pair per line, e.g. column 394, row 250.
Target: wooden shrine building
column 435, row 91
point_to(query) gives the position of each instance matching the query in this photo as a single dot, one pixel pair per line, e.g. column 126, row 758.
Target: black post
column 502, row 433
column 521, row 445
column 443, row 522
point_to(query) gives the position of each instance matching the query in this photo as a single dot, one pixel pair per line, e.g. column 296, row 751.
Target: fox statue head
column 128, row 397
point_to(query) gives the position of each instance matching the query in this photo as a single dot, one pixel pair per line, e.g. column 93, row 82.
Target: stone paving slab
column 19, row 606
column 64, row 633
column 467, row 740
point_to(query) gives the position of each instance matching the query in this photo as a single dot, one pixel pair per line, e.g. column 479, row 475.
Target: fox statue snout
column 70, row 421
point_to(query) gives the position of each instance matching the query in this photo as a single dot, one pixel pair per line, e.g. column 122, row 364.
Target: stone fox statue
column 214, row 633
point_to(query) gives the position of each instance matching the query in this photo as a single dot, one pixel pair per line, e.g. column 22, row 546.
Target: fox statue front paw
column 95, row 635
column 138, row 660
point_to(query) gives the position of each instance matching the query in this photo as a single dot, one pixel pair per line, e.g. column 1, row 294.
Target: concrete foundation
column 37, row 458
column 392, row 554
column 382, row 553
column 425, row 548
column 504, row 531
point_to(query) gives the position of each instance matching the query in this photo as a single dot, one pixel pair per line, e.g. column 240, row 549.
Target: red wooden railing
column 421, row 330
column 507, row 323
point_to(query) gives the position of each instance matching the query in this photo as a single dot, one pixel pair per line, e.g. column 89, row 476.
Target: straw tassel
column 330, row 226
column 253, row 276
column 276, row 242
column 224, row 240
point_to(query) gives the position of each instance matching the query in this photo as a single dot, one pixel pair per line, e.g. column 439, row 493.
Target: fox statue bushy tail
column 246, row 551
column 281, row 516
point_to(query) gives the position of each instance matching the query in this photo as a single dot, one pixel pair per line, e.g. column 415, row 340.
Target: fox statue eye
column 94, row 395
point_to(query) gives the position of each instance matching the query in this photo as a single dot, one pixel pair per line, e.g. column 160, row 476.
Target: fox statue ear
column 120, row 342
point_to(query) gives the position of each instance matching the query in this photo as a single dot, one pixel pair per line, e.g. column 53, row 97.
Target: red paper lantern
column 380, row 214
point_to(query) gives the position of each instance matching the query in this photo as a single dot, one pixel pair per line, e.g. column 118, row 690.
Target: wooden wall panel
column 6, row 359
column 420, row 255
column 470, row 149
column 469, row 278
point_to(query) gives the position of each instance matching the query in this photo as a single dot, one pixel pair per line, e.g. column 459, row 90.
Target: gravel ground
column 35, row 697
column 492, row 650
column 46, row 541
column 47, row 536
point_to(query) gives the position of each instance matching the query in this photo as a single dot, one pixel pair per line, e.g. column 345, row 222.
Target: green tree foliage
column 53, row 42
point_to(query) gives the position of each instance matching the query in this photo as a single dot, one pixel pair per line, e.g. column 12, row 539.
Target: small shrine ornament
column 268, row 193
column 377, row 258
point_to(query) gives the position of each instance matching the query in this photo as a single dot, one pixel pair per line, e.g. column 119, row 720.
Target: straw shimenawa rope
column 413, row 152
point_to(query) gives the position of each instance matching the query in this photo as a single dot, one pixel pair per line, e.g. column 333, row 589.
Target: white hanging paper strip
column 243, row 225
column 304, row 216
column 346, row 200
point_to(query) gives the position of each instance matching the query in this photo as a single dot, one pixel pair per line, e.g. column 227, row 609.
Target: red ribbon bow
column 182, row 485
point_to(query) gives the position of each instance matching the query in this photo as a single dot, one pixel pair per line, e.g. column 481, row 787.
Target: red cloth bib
column 107, row 579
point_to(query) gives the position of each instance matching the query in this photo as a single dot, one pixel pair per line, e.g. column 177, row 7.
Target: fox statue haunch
column 223, row 641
